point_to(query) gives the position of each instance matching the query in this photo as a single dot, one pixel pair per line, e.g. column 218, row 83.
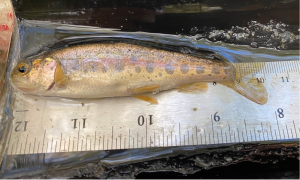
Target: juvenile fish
column 118, row 69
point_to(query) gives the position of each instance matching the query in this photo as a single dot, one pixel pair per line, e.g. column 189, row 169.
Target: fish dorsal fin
column 200, row 87
column 60, row 78
column 147, row 98
column 145, row 89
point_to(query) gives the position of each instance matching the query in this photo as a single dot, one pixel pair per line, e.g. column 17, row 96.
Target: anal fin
column 144, row 89
column 149, row 99
column 200, row 87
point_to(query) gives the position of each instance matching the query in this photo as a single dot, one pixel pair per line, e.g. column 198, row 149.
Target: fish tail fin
column 251, row 89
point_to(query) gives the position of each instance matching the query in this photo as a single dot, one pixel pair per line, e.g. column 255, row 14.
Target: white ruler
column 48, row 125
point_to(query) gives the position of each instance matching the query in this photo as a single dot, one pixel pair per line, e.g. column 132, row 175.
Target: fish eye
column 23, row 68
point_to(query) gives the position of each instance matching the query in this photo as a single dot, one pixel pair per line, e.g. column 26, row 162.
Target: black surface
column 288, row 169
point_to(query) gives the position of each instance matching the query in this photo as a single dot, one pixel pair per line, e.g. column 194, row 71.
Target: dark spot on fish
column 216, row 69
column 137, row 69
column 130, row 74
column 192, row 74
column 119, row 66
column 194, row 109
column 184, row 68
column 104, row 69
column 159, row 74
column 150, row 67
column 209, row 74
column 93, row 68
column 169, row 69
column 200, row 69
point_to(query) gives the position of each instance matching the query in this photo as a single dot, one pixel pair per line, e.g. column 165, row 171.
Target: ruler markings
column 188, row 137
column 154, row 140
column 163, row 137
column 295, row 128
column 179, row 136
column 146, row 131
column 262, row 130
column 277, row 125
column 238, row 134
column 212, row 126
column 103, row 141
column 25, row 144
column 287, row 131
column 197, row 136
column 95, row 141
column 245, row 128
column 271, row 132
column 30, row 144
column 255, row 134
column 78, row 136
column 112, row 136
column 171, row 139
column 243, row 136
column 205, row 136
column 229, row 133
column 292, row 133
column 55, row 146
column 60, row 142
column 34, row 145
column 222, row 135
column 158, row 140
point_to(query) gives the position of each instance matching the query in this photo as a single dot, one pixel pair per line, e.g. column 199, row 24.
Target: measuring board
column 49, row 125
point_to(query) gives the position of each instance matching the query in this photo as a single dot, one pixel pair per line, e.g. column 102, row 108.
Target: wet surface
column 269, row 30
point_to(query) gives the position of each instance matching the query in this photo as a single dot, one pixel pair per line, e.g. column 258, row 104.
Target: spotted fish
column 119, row 69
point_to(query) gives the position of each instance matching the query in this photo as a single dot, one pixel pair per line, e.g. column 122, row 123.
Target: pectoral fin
column 60, row 78
column 149, row 99
column 200, row 87
column 145, row 89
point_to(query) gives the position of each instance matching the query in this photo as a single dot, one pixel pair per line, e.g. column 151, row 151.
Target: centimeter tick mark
column 295, row 128
column 246, row 129
column 277, row 125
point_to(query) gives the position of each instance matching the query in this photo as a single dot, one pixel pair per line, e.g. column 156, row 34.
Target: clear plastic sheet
column 37, row 37
column 33, row 129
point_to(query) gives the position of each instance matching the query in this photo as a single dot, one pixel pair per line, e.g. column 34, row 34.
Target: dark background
column 160, row 16
column 175, row 17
